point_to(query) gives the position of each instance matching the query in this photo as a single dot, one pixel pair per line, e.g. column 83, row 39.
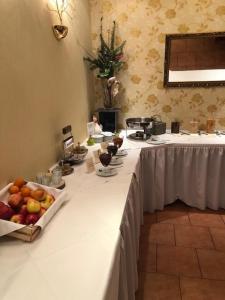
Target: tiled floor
column 182, row 255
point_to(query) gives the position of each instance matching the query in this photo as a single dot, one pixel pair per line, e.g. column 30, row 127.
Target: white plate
column 107, row 133
column 106, row 172
column 116, row 161
column 121, row 153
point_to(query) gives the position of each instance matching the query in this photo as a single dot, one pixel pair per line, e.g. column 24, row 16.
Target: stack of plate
column 107, row 136
column 98, row 138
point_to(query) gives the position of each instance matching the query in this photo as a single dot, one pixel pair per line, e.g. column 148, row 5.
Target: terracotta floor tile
column 145, row 230
column 206, row 219
column 206, row 211
column 147, row 261
column 223, row 217
column 177, row 261
column 218, row 235
column 155, row 286
column 162, row 234
column 173, row 217
column 193, row 236
column 212, row 264
column 202, row 289
column 149, row 218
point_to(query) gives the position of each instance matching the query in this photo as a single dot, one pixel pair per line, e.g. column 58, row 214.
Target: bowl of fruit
column 27, row 204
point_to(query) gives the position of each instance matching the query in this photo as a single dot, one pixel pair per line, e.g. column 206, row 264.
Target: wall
column 44, row 84
column 143, row 24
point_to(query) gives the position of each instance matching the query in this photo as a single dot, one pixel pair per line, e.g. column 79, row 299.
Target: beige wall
column 44, row 84
column 143, row 24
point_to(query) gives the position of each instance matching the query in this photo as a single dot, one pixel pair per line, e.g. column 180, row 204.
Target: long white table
column 83, row 252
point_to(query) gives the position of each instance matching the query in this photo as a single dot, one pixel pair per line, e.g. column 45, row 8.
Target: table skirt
column 130, row 232
column 192, row 173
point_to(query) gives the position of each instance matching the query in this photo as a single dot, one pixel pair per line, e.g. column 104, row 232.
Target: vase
column 110, row 88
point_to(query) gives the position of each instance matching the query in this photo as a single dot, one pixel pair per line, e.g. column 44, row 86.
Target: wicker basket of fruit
column 25, row 208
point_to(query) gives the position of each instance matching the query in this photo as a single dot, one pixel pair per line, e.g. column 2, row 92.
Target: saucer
column 116, row 161
column 121, row 152
column 106, row 172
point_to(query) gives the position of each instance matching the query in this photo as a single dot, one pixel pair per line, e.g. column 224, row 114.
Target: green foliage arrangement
column 109, row 58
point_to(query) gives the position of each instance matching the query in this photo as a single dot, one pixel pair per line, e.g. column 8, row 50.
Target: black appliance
column 108, row 118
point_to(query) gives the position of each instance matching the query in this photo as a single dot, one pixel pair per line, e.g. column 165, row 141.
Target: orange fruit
column 14, row 189
column 39, row 194
column 25, row 191
column 19, row 182
column 32, row 194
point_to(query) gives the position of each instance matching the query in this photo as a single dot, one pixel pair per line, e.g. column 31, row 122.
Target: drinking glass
column 210, row 125
column 112, row 149
column 47, row 178
column 39, row 177
column 194, row 126
column 118, row 141
column 175, row 127
column 105, row 159
column 56, row 176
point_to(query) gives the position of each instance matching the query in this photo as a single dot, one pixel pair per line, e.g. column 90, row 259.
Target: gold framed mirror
column 195, row 60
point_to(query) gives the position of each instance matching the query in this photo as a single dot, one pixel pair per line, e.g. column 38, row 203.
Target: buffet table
column 90, row 248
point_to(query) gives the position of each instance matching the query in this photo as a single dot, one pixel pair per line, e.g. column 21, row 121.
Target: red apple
column 31, row 219
column 6, row 212
column 33, row 206
column 23, row 210
column 18, row 218
column 15, row 200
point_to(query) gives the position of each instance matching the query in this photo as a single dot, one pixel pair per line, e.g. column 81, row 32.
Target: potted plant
column 108, row 62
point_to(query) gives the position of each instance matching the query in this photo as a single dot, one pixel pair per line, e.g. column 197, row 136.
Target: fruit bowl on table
column 25, row 212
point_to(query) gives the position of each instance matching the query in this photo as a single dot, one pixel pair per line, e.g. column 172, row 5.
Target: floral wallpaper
column 144, row 24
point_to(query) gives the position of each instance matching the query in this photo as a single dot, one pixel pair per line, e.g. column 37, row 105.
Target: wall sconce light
column 60, row 31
